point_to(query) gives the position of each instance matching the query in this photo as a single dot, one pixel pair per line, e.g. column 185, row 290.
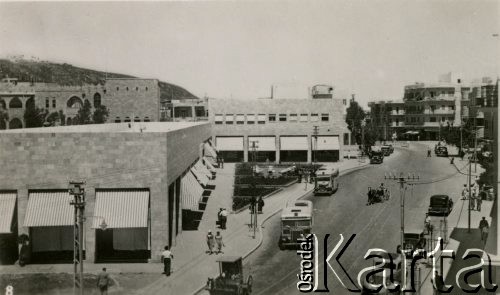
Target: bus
column 296, row 223
column 326, row 181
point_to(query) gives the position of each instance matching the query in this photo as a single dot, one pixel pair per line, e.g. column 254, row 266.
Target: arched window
column 69, row 121
column 30, row 102
column 74, row 102
column 97, row 100
column 15, row 124
column 15, row 103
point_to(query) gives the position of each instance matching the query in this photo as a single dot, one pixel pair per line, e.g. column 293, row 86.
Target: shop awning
column 121, row 208
column 209, row 150
column 50, row 208
column 191, row 192
column 7, row 206
column 209, row 164
column 264, row 143
column 203, row 169
column 293, row 143
column 229, row 143
column 326, row 143
column 202, row 178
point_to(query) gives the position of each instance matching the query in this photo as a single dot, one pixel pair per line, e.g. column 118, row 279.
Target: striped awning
column 325, row 143
column 209, row 150
column 7, row 206
column 202, row 178
column 191, row 192
column 49, row 208
column 121, row 208
column 209, row 164
column 203, row 169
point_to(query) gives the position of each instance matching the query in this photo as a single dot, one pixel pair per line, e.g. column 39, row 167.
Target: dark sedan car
column 440, row 205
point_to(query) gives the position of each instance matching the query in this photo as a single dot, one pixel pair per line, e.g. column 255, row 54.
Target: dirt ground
column 62, row 283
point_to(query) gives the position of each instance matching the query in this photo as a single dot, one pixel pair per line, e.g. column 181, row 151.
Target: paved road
column 375, row 226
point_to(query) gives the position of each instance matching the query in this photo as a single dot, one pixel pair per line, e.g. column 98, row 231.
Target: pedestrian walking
column 222, row 162
column 428, row 225
column 437, row 283
column 219, row 218
column 223, row 218
column 465, row 192
column 429, row 151
column 484, row 227
column 167, row 257
column 472, row 200
column 103, row 281
column 260, row 205
column 370, row 195
column 479, row 201
column 210, row 242
column 219, row 242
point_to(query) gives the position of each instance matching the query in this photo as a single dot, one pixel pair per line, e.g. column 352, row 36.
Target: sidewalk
column 459, row 241
column 193, row 266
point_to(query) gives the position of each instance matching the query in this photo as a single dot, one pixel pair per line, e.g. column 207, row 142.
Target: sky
column 238, row 49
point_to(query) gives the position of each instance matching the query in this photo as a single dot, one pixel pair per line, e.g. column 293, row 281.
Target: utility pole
column 402, row 188
column 253, row 212
column 77, row 190
column 315, row 146
column 470, row 193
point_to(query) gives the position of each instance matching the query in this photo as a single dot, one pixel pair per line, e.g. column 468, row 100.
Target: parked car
column 487, row 193
column 413, row 240
column 440, row 205
column 386, row 149
column 391, row 148
column 376, row 157
column 441, row 151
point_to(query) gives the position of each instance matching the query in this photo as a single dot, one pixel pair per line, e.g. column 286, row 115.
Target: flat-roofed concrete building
column 283, row 129
column 127, row 99
column 139, row 180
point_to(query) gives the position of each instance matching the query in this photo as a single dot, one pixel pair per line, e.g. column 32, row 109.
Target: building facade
column 278, row 130
column 135, row 174
column 427, row 108
column 128, row 100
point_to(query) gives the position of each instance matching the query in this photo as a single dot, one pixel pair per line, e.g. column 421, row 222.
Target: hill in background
column 66, row 74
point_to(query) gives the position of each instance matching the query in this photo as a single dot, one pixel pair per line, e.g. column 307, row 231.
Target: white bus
column 296, row 223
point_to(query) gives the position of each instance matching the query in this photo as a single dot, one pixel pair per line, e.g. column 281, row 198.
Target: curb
column 261, row 238
column 264, row 197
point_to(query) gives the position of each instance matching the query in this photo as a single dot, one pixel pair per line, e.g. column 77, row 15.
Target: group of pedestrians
column 475, row 198
column 220, row 161
column 214, row 243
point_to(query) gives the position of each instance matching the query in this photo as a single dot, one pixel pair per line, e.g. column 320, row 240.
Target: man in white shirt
column 167, row 260
column 223, row 218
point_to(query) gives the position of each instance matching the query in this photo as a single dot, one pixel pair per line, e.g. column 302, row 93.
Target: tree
column 372, row 134
column 84, row 114
column 354, row 117
column 53, row 117
column 62, row 117
column 100, row 115
column 4, row 117
column 452, row 135
column 34, row 116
